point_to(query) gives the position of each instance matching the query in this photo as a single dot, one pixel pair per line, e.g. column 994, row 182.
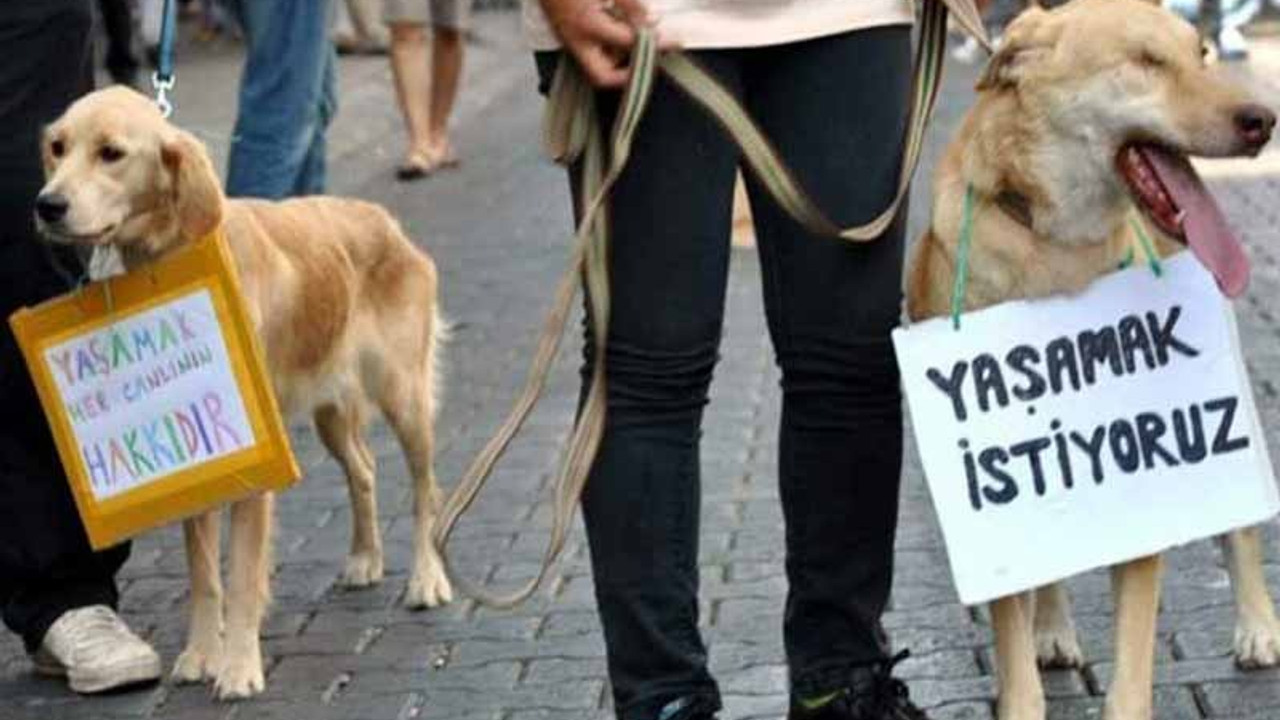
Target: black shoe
column 872, row 694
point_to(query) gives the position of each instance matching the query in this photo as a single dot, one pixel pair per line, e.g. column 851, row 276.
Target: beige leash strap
column 572, row 134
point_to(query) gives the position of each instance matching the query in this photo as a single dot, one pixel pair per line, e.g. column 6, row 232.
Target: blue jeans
column 836, row 109
column 287, row 99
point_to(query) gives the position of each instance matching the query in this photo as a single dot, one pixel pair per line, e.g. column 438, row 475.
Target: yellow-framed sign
column 155, row 389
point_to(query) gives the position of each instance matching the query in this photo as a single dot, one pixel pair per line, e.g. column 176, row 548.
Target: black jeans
column 46, row 565
column 836, row 109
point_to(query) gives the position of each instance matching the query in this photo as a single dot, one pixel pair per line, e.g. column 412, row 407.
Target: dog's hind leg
column 1257, row 640
column 1136, row 588
column 1057, row 644
column 1021, row 694
column 249, row 590
column 408, row 403
column 340, row 430
column 200, row 659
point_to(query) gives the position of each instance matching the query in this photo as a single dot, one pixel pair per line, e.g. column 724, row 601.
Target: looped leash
column 162, row 79
column 573, row 135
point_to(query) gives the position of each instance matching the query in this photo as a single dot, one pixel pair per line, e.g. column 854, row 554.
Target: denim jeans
column 836, row 110
column 287, row 99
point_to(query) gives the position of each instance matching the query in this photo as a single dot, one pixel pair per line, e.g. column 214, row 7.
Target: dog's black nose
column 1255, row 122
column 52, row 207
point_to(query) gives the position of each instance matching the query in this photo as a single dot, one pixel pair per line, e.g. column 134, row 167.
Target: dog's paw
column 1028, row 709
column 428, row 588
column 196, row 665
column 1138, row 711
column 363, row 569
column 240, row 678
column 1058, row 649
column 1257, row 644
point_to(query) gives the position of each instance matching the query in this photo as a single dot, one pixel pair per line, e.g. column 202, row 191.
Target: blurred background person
column 287, row 99
column 427, row 98
column 359, row 28
column 1220, row 23
column 117, row 26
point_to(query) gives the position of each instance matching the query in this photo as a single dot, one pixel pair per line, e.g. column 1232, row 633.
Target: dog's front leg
column 1057, row 645
column 1021, row 694
column 200, row 659
column 249, row 590
column 1136, row 588
column 1257, row 638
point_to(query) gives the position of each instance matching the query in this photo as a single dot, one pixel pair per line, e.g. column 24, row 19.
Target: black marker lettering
column 1223, row 443
column 1162, row 336
column 951, row 387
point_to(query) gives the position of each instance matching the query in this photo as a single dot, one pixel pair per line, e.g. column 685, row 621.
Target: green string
column 1127, row 261
column 1148, row 248
column 961, row 283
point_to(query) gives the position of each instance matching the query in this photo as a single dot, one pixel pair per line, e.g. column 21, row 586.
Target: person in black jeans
column 835, row 106
column 55, row 592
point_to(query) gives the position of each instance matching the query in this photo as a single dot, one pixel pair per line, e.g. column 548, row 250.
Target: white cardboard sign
column 150, row 395
column 1066, row 434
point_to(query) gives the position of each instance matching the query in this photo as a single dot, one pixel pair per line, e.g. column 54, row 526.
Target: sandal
column 447, row 159
column 416, row 166
column 422, row 163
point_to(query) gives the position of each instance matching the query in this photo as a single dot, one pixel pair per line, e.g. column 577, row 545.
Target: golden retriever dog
column 345, row 306
column 1085, row 112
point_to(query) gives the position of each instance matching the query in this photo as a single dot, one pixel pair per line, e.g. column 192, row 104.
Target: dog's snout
column 51, row 207
column 1255, row 123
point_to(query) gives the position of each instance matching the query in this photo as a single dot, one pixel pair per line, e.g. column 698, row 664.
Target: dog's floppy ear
column 197, row 196
column 1027, row 39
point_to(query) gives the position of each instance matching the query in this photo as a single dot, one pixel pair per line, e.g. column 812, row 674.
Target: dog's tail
column 441, row 332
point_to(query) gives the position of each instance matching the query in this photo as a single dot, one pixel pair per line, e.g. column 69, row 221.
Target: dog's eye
column 1151, row 60
column 110, row 153
column 57, row 148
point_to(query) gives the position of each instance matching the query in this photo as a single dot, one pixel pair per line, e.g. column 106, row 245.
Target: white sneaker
column 96, row 651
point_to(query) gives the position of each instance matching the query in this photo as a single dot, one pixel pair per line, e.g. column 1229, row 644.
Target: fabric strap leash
column 573, row 135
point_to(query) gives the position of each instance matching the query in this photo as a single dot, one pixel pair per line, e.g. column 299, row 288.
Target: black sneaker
column 873, row 694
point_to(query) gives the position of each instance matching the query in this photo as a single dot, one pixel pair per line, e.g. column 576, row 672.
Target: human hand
column 599, row 34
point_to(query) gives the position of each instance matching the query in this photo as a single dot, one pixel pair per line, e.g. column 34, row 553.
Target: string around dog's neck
column 960, row 283
column 1013, row 204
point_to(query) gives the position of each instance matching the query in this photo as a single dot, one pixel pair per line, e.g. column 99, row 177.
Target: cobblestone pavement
column 497, row 228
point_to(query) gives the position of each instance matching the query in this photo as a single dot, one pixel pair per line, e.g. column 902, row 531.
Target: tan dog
column 346, row 309
column 1083, row 113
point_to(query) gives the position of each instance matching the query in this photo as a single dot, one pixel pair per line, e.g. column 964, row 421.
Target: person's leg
column 313, row 177
column 668, row 268
column 282, row 96
column 46, row 564
column 409, row 69
column 831, row 306
column 446, row 71
column 366, row 17
column 449, row 19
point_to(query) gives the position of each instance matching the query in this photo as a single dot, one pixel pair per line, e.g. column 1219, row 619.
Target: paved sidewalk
column 497, row 228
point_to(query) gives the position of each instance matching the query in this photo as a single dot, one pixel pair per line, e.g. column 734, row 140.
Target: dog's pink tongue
column 1205, row 226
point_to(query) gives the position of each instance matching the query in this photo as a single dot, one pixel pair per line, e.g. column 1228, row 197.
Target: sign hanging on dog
column 1066, row 434
column 156, row 394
